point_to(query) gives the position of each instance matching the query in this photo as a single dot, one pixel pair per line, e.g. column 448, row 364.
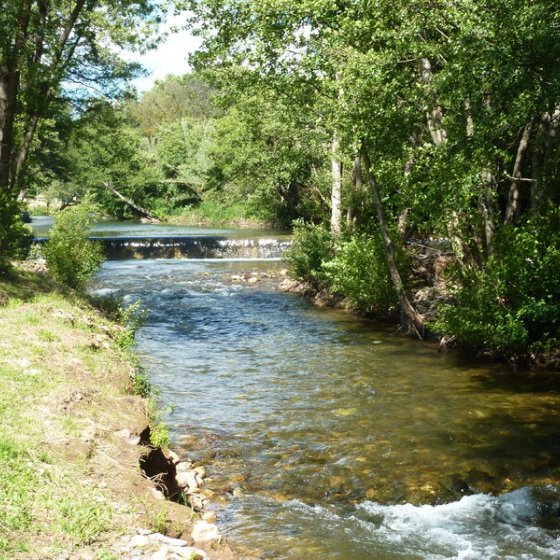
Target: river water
column 336, row 438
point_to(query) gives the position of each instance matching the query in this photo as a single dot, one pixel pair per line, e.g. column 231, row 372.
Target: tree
column 51, row 48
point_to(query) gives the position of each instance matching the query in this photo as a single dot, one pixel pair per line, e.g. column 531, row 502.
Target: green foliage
column 14, row 236
column 212, row 211
column 513, row 303
column 71, row 257
column 311, row 247
column 359, row 272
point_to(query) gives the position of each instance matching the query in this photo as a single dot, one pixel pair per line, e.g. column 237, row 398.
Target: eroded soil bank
column 73, row 437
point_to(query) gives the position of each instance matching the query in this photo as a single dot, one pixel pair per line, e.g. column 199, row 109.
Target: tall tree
column 50, row 47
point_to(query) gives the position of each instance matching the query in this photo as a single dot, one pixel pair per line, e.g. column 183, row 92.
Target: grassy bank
column 209, row 213
column 70, row 428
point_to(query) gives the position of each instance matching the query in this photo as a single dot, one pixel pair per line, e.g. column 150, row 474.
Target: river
column 330, row 437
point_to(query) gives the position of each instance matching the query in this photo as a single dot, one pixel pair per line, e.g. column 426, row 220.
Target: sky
column 169, row 58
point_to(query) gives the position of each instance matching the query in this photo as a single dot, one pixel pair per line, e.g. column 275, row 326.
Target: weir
column 189, row 247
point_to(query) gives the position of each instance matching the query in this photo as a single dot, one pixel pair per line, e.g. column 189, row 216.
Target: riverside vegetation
column 82, row 445
column 387, row 125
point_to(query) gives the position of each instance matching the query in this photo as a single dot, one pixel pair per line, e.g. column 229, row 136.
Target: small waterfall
column 190, row 247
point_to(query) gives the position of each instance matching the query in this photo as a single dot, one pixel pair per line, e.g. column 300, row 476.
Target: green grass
column 19, row 285
column 210, row 213
column 46, row 509
column 53, row 346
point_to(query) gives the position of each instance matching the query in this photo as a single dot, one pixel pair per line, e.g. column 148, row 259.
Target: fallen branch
column 142, row 211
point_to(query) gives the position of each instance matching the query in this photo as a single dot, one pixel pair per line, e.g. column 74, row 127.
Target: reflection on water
column 330, row 424
column 113, row 228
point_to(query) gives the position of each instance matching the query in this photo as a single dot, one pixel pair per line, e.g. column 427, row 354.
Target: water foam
column 478, row 527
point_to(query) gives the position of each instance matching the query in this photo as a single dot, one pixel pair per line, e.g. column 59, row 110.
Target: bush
column 360, row 273
column 311, row 247
column 512, row 306
column 14, row 236
column 71, row 257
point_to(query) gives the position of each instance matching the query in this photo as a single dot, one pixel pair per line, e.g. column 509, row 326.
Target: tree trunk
column 403, row 224
column 543, row 151
column 5, row 128
column 487, row 208
column 410, row 318
column 37, row 111
column 513, row 203
column 128, row 201
column 356, row 182
column 336, row 191
column 434, row 113
column 9, row 86
column 9, row 83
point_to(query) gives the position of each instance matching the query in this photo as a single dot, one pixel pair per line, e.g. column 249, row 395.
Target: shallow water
column 330, row 425
column 113, row 228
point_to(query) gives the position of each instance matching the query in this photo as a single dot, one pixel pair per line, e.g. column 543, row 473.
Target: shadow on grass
column 24, row 285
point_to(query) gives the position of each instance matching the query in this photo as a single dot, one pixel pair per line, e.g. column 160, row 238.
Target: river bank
column 79, row 477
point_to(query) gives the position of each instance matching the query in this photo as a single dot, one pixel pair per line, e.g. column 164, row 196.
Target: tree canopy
column 385, row 123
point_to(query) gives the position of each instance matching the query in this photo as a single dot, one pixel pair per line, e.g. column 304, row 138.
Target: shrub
column 311, row 247
column 71, row 257
column 14, row 236
column 360, row 273
column 512, row 306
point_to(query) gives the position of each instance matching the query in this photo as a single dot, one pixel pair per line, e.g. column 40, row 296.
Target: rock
column 200, row 471
column 127, row 436
column 40, row 266
column 157, row 494
column 320, row 300
column 174, row 457
column 295, row 287
column 287, row 285
column 210, row 516
column 197, row 501
column 138, row 541
column 123, row 434
column 238, row 492
column 161, row 554
column 206, row 532
column 191, row 553
column 158, row 537
column 183, row 466
column 253, row 280
column 187, row 479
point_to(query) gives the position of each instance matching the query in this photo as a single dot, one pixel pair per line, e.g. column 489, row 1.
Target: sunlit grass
column 46, row 510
